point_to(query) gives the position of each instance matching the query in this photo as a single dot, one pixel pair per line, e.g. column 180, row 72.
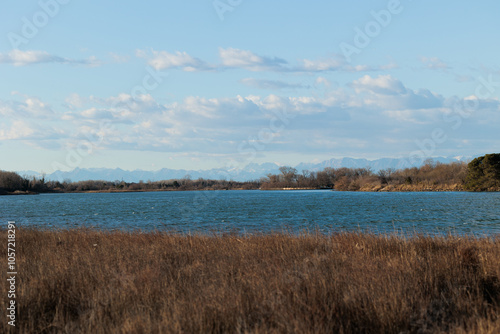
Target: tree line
column 13, row 183
column 481, row 174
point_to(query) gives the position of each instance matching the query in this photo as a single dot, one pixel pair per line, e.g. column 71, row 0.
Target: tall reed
column 84, row 281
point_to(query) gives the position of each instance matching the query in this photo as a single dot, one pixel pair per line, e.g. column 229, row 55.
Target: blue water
column 261, row 211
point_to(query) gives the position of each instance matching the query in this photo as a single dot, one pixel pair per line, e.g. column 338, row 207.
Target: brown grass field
column 84, row 281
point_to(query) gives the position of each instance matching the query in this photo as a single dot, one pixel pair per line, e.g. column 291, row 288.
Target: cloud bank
column 371, row 114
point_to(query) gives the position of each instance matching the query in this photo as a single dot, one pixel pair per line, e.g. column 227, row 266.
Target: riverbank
column 90, row 281
column 390, row 188
column 366, row 188
column 109, row 191
column 17, row 192
column 411, row 187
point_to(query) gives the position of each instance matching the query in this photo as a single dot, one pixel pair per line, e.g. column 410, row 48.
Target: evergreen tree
column 483, row 173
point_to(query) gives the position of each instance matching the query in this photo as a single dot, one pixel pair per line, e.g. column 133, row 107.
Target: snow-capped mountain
column 251, row 171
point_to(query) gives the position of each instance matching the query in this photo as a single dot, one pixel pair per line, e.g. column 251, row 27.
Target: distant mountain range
column 252, row 171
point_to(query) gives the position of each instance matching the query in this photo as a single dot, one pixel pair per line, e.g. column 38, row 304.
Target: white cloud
column 22, row 58
column 383, row 84
column 236, row 58
column 233, row 58
column 434, row 63
column 331, row 64
column 368, row 114
column 385, row 91
column 17, row 130
column 337, row 63
column 161, row 60
column 322, row 81
column 359, row 68
column 36, row 108
column 97, row 113
column 30, row 107
column 270, row 84
column 74, row 101
column 34, row 133
column 417, row 116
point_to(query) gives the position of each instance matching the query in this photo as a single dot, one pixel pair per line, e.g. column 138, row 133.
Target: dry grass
column 84, row 281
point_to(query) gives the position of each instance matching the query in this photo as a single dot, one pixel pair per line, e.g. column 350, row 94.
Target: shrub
column 483, row 173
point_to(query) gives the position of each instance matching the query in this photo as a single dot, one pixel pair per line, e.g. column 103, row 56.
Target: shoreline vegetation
column 481, row 174
column 86, row 281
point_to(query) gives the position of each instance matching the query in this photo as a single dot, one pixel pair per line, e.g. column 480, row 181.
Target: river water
column 261, row 211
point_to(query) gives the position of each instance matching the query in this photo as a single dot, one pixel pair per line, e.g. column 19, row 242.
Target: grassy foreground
column 83, row 281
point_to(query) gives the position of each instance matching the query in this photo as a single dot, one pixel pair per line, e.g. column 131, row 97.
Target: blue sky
column 203, row 84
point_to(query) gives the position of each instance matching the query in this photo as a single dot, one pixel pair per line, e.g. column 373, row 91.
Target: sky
column 206, row 84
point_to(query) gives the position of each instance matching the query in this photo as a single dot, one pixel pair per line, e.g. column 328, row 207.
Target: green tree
column 483, row 173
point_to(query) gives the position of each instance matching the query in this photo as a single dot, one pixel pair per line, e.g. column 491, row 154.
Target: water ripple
column 262, row 211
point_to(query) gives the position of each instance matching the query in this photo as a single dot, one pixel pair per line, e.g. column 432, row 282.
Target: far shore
column 366, row 189
column 481, row 174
